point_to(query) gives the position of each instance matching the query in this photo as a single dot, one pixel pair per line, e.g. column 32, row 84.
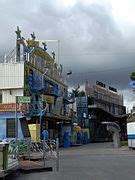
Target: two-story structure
column 100, row 104
column 30, row 71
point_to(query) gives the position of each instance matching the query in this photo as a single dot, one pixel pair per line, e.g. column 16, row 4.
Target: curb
column 34, row 170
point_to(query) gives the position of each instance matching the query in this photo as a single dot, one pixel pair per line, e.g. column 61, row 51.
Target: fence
column 8, row 158
column 28, row 155
column 36, row 154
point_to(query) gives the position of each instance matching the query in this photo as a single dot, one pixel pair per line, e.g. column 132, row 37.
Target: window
column 10, row 128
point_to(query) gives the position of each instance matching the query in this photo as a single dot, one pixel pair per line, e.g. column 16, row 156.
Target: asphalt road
column 91, row 162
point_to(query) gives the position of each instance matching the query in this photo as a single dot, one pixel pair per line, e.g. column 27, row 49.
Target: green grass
column 124, row 143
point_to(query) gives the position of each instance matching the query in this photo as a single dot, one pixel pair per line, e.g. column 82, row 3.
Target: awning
column 60, row 117
column 100, row 109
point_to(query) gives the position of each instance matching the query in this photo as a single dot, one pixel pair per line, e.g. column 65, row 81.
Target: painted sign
column 23, row 99
column 10, row 107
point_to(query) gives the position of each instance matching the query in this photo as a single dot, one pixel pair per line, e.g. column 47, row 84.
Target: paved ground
column 91, row 162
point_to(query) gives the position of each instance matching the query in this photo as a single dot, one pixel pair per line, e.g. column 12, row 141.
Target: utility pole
column 16, row 128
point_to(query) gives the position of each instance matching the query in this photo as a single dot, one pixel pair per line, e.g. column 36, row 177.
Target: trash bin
column 85, row 138
column 4, row 155
column 66, row 139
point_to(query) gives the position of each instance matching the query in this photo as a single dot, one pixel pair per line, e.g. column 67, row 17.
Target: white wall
column 131, row 128
column 11, row 75
column 8, row 96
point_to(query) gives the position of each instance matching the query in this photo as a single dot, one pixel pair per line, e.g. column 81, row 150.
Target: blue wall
column 3, row 118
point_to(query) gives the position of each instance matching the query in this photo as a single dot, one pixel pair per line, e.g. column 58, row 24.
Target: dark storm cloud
column 91, row 44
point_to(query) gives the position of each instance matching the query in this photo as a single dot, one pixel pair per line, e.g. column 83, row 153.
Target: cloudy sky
column 97, row 39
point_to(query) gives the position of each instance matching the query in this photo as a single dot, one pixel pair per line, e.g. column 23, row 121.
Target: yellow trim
column 49, row 99
column 31, row 43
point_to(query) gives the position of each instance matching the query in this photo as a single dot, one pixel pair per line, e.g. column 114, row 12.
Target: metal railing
column 8, row 157
column 12, row 156
column 41, row 152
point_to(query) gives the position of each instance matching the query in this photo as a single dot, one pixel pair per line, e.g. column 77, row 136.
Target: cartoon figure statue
column 18, row 32
column 33, row 36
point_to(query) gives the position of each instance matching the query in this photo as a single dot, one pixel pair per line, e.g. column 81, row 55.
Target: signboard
column 7, row 107
column 132, row 84
column 10, row 107
column 23, row 99
column 100, row 84
column 23, row 108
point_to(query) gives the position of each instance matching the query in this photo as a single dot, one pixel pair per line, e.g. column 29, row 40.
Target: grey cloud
column 90, row 40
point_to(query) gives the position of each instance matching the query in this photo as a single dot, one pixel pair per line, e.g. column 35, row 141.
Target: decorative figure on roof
column 28, row 42
column 45, row 46
column 33, row 36
column 23, row 38
column 69, row 72
column 76, row 91
column 61, row 68
column 53, row 54
column 55, row 65
column 18, row 32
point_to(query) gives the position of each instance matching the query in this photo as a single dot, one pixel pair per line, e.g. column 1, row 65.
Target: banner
column 7, row 107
